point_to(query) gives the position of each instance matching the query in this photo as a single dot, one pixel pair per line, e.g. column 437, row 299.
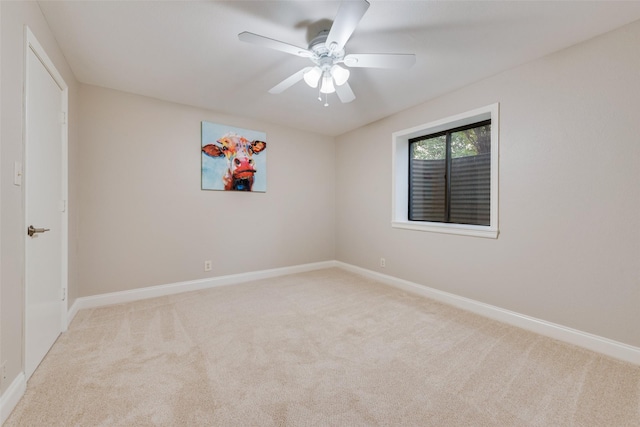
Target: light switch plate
column 17, row 173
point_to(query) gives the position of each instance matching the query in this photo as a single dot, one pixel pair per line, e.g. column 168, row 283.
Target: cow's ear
column 212, row 150
column 257, row 146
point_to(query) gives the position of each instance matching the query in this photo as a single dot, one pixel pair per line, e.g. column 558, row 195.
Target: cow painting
column 234, row 161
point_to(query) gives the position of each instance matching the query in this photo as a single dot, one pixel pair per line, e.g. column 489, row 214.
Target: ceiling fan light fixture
column 340, row 75
column 327, row 83
column 312, row 77
column 326, row 50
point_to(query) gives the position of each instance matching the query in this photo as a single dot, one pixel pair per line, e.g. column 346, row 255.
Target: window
column 446, row 175
column 450, row 176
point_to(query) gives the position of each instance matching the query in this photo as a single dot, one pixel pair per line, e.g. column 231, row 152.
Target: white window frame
column 400, row 173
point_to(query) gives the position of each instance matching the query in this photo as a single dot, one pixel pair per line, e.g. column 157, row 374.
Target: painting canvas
column 233, row 159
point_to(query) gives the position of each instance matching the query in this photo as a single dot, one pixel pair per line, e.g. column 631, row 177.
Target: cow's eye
column 250, row 161
column 237, row 162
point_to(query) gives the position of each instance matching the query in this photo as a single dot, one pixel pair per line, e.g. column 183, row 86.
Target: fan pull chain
column 326, row 99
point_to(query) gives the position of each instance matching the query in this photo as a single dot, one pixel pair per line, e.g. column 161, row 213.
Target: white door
column 45, row 192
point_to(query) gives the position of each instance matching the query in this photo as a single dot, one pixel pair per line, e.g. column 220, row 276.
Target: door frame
column 32, row 43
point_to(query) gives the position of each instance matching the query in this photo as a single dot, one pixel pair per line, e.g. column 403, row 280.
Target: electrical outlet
column 207, row 266
column 383, row 263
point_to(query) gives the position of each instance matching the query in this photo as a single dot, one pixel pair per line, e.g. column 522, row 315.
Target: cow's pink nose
column 244, row 163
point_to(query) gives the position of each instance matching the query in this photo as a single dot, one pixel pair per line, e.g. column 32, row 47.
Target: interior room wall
column 15, row 15
column 569, row 198
column 145, row 220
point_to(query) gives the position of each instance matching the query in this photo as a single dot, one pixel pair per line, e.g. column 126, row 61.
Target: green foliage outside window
column 469, row 142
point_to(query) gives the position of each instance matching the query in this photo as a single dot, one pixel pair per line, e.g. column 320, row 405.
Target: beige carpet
column 320, row 348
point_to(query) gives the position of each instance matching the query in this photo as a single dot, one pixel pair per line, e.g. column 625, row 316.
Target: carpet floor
column 316, row 349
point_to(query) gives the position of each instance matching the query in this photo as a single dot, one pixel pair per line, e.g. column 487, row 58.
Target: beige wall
column 569, row 244
column 15, row 15
column 145, row 220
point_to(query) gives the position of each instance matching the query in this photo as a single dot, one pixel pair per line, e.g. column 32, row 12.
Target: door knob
column 31, row 230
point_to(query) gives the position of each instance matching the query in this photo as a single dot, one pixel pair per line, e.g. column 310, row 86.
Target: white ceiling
column 188, row 51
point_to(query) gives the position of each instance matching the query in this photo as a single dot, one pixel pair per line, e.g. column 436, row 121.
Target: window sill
column 460, row 229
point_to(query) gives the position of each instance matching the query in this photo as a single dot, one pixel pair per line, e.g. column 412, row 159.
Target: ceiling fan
column 326, row 51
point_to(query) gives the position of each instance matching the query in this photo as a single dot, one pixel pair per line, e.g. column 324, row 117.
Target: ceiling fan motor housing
column 324, row 57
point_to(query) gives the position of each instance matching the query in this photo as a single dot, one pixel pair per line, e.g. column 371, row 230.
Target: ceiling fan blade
column 274, row 44
column 345, row 93
column 347, row 18
column 289, row 81
column 380, row 60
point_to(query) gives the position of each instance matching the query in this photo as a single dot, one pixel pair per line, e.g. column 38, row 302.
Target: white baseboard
column 582, row 339
column 586, row 340
column 12, row 396
column 192, row 285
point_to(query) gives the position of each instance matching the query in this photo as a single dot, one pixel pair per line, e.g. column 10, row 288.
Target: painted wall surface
column 15, row 15
column 569, row 245
column 145, row 220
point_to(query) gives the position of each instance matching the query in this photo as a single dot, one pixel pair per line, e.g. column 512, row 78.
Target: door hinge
column 64, row 294
column 63, row 117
